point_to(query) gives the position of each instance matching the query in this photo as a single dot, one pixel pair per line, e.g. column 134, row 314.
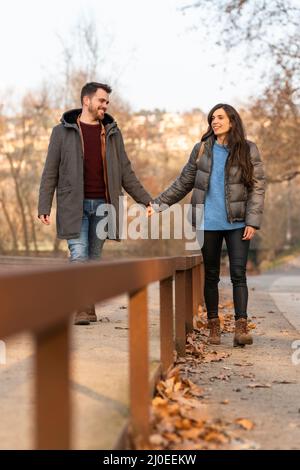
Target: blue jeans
column 88, row 246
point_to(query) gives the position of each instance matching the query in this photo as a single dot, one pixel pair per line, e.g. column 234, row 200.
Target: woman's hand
column 249, row 232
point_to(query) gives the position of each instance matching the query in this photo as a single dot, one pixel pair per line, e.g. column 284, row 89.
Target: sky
column 157, row 60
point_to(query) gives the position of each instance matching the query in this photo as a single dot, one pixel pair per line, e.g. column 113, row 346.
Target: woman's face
column 220, row 122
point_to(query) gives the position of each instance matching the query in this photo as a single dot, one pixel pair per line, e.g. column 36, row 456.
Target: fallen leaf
column 172, row 437
column 248, row 376
column 158, row 401
column 200, row 309
column 284, row 382
column 188, row 402
column 165, row 425
column 157, row 439
column 218, row 437
column 245, row 423
column 247, row 364
column 215, row 356
column 190, row 433
column 183, row 424
column 169, row 384
column 224, row 376
column 199, row 323
column 258, row 385
column 284, row 332
column 173, row 409
column 194, row 389
column 174, row 372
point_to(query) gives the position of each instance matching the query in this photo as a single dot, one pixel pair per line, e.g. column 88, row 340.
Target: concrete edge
column 123, row 441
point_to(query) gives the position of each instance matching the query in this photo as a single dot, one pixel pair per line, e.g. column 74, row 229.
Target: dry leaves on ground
column 180, row 420
column 179, row 415
column 215, row 356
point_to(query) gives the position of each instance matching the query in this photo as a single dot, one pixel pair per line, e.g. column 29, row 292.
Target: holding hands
column 149, row 210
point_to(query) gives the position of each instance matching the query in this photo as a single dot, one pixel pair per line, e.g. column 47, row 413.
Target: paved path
column 274, row 301
column 100, row 373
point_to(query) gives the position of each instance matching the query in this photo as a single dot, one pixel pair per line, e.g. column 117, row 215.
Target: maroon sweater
column 94, row 183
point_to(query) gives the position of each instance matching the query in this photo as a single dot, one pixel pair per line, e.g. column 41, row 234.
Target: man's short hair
column 90, row 88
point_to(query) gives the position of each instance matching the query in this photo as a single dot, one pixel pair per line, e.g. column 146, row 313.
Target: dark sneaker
column 91, row 313
column 82, row 318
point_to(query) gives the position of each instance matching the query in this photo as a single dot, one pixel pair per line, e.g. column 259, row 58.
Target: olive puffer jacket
column 242, row 204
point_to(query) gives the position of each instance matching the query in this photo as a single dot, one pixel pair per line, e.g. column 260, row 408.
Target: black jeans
column 238, row 254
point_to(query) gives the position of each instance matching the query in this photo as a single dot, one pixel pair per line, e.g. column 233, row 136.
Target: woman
column 227, row 175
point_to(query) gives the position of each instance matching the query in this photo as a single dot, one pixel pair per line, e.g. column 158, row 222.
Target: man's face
column 98, row 103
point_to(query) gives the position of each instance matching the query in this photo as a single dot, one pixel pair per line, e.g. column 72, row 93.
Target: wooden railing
column 41, row 301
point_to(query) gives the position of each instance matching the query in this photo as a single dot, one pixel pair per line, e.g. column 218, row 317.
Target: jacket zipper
column 229, row 215
column 104, row 163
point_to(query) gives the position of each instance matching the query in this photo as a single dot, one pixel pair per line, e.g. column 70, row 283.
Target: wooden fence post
column 53, row 410
column 166, row 323
column 139, row 364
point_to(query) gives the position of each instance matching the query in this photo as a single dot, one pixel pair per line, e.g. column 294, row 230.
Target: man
column 88, row 166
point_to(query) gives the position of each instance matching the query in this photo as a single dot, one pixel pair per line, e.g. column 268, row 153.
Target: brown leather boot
column 82, row 317
column 214, row 331
column 91, row 313
column 241, row 335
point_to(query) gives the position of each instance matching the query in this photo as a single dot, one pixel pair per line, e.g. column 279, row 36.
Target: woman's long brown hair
column 239, row 150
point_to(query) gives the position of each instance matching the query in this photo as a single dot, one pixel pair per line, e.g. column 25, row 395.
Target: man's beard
column 94, row 111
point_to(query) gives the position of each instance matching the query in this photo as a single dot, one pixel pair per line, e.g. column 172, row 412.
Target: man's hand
column 249, row 233
column 149, row 210
column 45, row 219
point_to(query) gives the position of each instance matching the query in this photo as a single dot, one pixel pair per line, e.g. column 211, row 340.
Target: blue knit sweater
column 215, row 216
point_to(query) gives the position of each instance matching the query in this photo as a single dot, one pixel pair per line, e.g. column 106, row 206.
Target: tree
column 21, row 148
column 267, row 35
column 266, row 31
